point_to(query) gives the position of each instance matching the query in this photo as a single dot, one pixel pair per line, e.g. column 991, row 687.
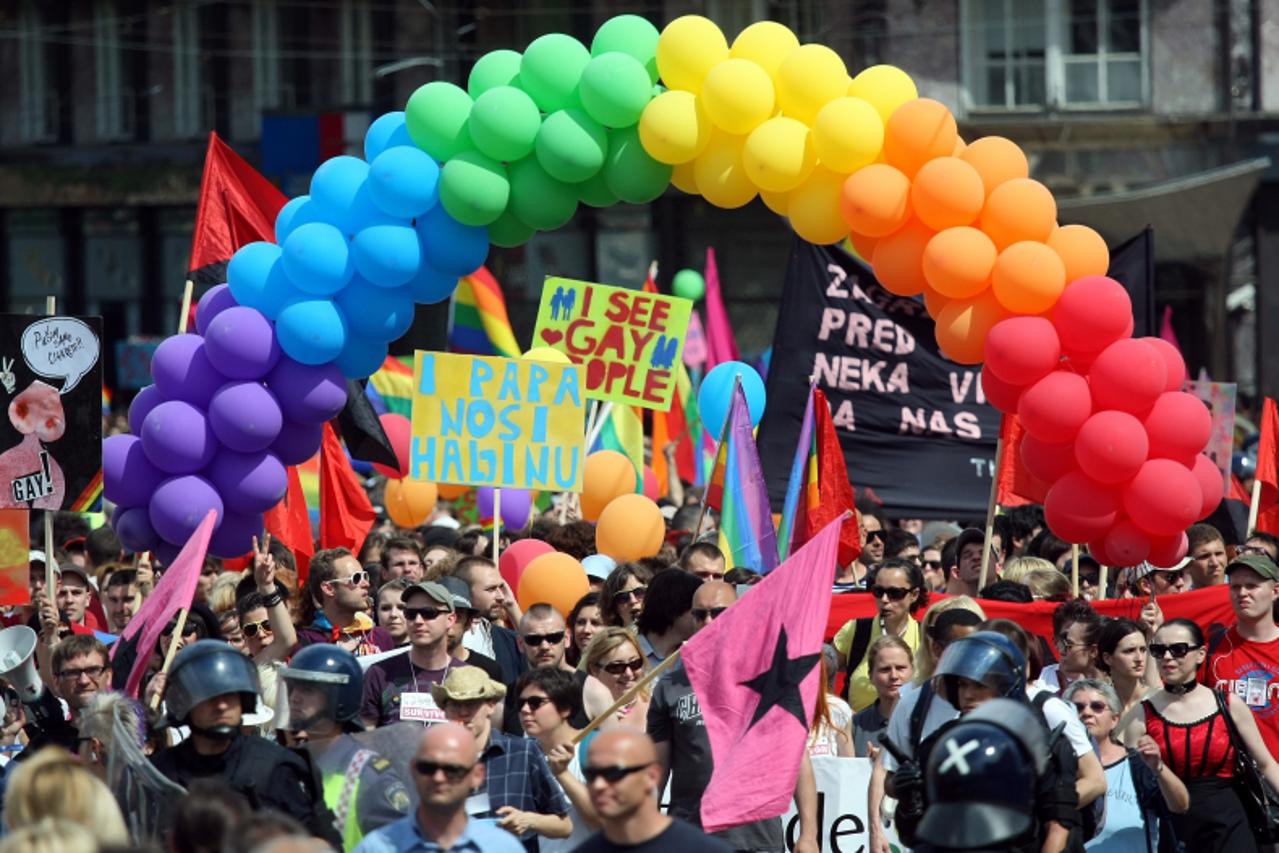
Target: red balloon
column 517, row 557
column 398, row 432
column 1179, row 426
column 1111, row 447
column 651, row 490
column 1128, row 376
column 1047, row 462
column 1055, row 407
column 999, row 393
column 1093, row 312
column 1079, row 509
column 1211, row 482
column 1176, row 365
column 1164, row 497
column 1126, row 544
column 1097, row 550
column 1168, row 551
column 1022, row 350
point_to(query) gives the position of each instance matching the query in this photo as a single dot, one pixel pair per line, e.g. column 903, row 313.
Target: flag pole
column 598, row 426
column 1255, row 506
column 174, row 642
column 1102, row 582
column 497, row 521
column 50, row 563
column 723, row 437
column 1074, row 571
column 186, row 306
column 990, row 513
column 626, row 697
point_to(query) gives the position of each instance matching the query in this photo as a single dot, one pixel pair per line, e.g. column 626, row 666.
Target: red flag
column 237, row 206
column 834, row 491
column 290, row 523
column 1016, row 486
column 650, row 281
column 1268, row 454
column 346, row 516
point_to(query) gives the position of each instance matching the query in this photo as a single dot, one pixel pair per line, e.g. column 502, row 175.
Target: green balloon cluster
column 535, row 134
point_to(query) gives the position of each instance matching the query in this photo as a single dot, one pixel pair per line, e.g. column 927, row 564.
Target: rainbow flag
column 478, row 324
column 393, row 384
column 803, row 481
column 746, row 534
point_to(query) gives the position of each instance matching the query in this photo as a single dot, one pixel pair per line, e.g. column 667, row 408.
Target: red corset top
column 1193, row 750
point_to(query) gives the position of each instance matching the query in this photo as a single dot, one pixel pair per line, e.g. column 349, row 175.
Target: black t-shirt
column 680, row 836
column 511, row 715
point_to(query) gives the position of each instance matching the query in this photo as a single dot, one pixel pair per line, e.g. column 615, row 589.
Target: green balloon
column 474, row 189
column 550, row 69
column 689, row 284
column 631, row 174
column 436, row 117
column 571, row 145
column 594, row 191
column 629, row 34
column 615, row 89
column 507, row 231
column 495, row 68
column 539, row 200
column 504, row 123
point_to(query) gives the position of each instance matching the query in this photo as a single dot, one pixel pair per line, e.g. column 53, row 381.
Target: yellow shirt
column 861, row 693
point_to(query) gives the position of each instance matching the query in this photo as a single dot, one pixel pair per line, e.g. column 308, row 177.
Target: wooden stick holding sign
column 627, row 697
column 50, row 563
column 991, row 503
column 1074, row 571
column 175, row 640
column 497, row 521
column 1254, row 507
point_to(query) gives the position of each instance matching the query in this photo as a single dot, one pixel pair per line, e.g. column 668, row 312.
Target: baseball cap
column 440, row 593
column 460, row 590
column 37, row 557
column 72, row 568
column 1259, row 563
column 1145, row 567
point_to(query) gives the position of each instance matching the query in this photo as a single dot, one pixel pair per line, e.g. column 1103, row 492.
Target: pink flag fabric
column 755, row 673
column 720, row 344
column 174, row 591
column 1166, row 330
column 695, row 342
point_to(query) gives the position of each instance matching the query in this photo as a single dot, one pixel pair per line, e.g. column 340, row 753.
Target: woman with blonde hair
column 53, row 784
column 891, row 668
column 615, row 663
column 50, row 835
column 1017, row 568
column 1047, row 583
column 928, row 652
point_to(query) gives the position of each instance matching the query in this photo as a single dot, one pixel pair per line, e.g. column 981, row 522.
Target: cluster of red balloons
column 1113, row 443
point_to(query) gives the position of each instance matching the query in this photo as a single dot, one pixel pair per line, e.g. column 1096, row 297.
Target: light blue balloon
column 387, row 255
column 715, row 397
column 341, row 196
column 450, row 246
column 431, row 286
column 311, row 331
column 361, row 357
column 404, row 182
column 379, row 313
column 317, row 259
column 388, row 131
column 257, row 279
column 298, row 211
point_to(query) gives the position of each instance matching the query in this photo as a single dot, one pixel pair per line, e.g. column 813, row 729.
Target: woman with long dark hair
column 899, row 591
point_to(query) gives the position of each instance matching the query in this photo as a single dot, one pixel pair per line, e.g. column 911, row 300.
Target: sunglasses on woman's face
column 628, row 594
column 533, row 702
column 1177, row 650
column 1097, row 707
column 893, row 593
column 618, row 667
column 252, row 629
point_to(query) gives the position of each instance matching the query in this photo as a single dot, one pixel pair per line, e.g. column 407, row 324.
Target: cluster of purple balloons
column 226, row 413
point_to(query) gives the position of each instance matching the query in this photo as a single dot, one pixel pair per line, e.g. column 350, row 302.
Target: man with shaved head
column 446, row 769
column 622, row 776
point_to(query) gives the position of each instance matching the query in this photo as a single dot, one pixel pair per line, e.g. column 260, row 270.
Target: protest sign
column 627, row 341
column 503, row 422
column 842, row 822
column 1219, row 397
column 914, row 426
column 51, row 443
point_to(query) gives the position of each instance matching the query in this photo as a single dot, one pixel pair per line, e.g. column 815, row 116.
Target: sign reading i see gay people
column 627, row 341
column 503, row 422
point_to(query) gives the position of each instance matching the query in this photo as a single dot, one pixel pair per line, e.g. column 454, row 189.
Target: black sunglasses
column 452, row 772
column 894, row 593
column 872, row 535
column 552, row 639
column 1171, row 576
column 427, row 613
column 1178, row 650
column 1097, row 707
column 701, row 614
column 637, row 593
column 533, row 702
column 618, row 667
column 935, row 565
column 612, row 775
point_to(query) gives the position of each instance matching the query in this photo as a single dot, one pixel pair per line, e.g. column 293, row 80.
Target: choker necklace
column 1181, row 689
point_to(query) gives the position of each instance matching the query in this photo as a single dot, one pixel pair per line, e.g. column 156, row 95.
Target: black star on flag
column 778, row 685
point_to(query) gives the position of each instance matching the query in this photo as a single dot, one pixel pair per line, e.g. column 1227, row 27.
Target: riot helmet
column 324, row 682
column 203, row 670
column 986, row 657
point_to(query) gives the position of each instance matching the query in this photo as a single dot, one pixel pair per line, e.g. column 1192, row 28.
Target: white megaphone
column 17, row 662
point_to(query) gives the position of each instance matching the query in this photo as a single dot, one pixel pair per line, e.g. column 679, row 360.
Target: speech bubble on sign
column 61, row 348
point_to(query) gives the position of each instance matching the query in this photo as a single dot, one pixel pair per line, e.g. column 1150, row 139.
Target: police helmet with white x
column 981, row 779
column 986, row 657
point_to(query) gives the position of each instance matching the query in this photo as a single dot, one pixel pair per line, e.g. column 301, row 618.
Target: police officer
column 210, row 688
column 325, row 687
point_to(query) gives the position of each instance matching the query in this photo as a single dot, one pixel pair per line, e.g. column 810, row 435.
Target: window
column 113, row 111
column 38, row 102
column 188, row 104
column 266, row 55
column 356, row 29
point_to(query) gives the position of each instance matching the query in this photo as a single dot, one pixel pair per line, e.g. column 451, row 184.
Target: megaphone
column 17, row 662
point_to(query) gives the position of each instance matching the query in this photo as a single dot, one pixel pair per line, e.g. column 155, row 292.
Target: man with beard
column 489, row 597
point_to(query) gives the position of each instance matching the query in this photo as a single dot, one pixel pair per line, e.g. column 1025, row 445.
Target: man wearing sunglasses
column 544, row 640
column 1149, row 579
column 340, row 586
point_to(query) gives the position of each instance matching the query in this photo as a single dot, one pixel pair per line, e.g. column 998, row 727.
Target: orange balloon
column 958, row 261
column 1020, row 209
column 1028, row 278
column 875, row 200
column 607, row 475
column 898, row 259
column 629, row 528
column 1081, row 249
column 409, row 502
column 960, row 145
column 450, row 492
column 934, row 302
column 555, row 579
column 963, row 325
column 947, row 192
column 996, row 159
column 864, row 246
column 919, row 131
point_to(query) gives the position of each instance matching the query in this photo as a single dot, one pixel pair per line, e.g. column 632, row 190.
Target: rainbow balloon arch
column 1115, row 445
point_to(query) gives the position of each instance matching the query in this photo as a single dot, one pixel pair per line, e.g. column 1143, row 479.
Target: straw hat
column 467, row 684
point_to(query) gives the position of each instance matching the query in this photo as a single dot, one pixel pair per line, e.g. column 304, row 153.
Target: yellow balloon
column 808, row 78
column 674, row 128
column 848, row 134
column 814, row 208
column 779, row 203
column 719, row 173
column 885, row 87
column 738, row 95
column 765, row 43
column 779, row 154
column 546, row 354
column 682, row 178
column 687, row 49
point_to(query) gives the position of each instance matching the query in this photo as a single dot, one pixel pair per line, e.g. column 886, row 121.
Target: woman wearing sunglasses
column 899, row 590
column 616, row 661
column 622, row 597
column 1184, row 719
column 1140, row 800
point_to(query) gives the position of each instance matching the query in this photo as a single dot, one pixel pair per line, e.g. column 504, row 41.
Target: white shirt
column 940, row 712
column 479, row 638
column 1058, row 711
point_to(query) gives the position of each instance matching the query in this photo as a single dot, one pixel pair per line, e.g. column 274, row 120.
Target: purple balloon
column 166, row 552
column 146, row 400
column 297, row 442
column 177, row 438
column 241, row 342
column 516, row 504
column 216, row 300
column 180, row 504
column 133, row 526
column 234, row 536
column 183, row 371
column 248, row 482
column 128, row 477
column 307, row 393
column 245, row 417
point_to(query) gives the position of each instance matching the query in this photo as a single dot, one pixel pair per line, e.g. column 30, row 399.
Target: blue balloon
column 404, row 182
column 387, row 255
column 361, row 357
column 715, row 397
column 340, row 196
column 388, row 131
column 449, row 245
column 380, row 313
column 430, row 285
column 257, row 278
column 311, row 331
column 299, row 211
column 317, row 259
